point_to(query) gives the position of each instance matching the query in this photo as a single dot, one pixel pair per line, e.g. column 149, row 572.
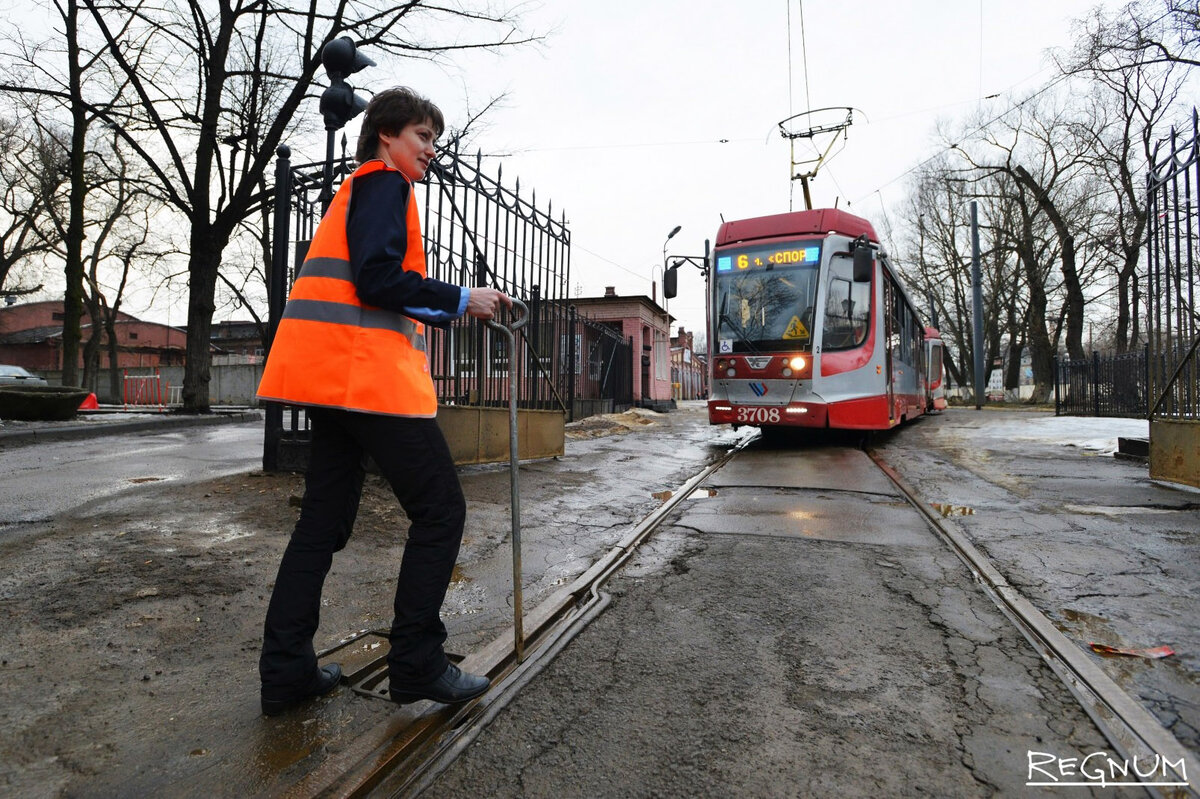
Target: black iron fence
column 1163, row 381
column 1103, row 385
column 1173, row 277
column 478, row 232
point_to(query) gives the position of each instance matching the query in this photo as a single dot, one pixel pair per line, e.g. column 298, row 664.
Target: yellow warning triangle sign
column 796, row 329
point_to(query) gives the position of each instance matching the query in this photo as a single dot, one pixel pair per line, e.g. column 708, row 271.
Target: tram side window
column 935, row 365
column 847, row 310
column 895, row 331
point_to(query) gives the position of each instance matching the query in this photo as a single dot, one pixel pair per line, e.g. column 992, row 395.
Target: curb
column 75, row 431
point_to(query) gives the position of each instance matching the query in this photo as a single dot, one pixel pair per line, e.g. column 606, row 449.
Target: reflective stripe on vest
column 343, row 313
column 333, row 350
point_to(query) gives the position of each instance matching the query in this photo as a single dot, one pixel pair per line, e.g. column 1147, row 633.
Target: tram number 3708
column 757, row 415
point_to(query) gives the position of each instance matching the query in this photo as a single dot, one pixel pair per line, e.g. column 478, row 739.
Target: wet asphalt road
column 794, row 632
column 58, row 476
column 800, row 632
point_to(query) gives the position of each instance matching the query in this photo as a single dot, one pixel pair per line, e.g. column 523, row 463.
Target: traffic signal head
column 339, row 104
column 342, row 58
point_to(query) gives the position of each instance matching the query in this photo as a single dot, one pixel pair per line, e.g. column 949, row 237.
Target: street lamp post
column 669, row 285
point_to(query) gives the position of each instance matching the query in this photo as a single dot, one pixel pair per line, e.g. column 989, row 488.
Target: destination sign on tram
column 774, row 257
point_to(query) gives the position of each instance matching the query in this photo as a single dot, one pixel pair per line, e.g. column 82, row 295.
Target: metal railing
column 1103, row 385
column 1173, row 277
column 477, row 232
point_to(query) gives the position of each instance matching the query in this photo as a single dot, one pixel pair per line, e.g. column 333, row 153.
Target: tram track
column 1131, row 729
column 408, row 754
column 402, row 757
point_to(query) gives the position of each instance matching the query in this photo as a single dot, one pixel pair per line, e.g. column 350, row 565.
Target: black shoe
column 454, row 686
column 326, row 680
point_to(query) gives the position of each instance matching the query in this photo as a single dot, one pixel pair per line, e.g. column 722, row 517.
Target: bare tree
column 49, row 72
column 1144, row 32
column 30, row 170
column 1062, row 171
column 936, row 212
column 213, row 87
column 120, row 210
column 1133, row 94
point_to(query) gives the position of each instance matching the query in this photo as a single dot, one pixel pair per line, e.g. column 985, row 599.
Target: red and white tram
column 810, row 327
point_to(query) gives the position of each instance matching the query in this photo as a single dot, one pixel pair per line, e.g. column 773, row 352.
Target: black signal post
column 339, row 103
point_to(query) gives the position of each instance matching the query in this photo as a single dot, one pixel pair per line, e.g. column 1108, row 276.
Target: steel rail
column 1128, row 726
column 453, row 744
column 404, row 756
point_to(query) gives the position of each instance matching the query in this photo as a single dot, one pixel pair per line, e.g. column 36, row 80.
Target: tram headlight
column 797, row 363
column 731, row 372
column 786, row 372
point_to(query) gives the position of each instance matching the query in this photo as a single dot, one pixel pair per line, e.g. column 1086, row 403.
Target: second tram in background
column 811, row 328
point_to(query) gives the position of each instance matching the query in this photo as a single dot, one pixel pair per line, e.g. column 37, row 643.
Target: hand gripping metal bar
column 521, row 316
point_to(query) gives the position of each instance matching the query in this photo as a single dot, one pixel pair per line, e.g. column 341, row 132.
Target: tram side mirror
column 864, row 264
column 671, row 282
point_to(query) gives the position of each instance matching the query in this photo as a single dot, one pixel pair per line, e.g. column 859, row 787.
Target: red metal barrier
column 145, row 390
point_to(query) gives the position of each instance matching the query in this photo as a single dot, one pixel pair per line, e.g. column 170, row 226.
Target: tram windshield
column 765, row 296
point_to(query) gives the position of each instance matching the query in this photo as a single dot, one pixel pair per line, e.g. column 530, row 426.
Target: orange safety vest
column 333, row 350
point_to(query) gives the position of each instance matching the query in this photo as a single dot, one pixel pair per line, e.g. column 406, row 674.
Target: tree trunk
column 1127, row 332
column 1075, row 301
column 202, row 270
column 73, row 269
column 1041, row 350
column 91, row 348
column 114, row 373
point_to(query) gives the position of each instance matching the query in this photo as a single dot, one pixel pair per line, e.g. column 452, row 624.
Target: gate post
column 1146, row 369
column 1057, row 392
column 1095, row 383
column 572, row 354
column 277, row 286
column 533, row 347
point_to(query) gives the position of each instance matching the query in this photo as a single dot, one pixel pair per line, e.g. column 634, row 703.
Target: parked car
column 18, row 376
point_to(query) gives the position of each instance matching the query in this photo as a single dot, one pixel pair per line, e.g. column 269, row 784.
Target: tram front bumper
column 794, row 414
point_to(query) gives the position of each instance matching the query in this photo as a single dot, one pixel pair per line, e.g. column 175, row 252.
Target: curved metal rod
column 521, row 318
column 519, row 321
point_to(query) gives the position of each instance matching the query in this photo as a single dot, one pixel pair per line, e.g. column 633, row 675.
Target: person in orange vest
column 351, row 348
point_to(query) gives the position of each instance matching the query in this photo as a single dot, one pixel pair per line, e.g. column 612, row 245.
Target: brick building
column 642, row 320
column 31, row 336
column 689, row 369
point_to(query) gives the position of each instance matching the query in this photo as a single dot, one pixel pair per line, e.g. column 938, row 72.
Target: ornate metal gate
column 1173, row 323
column 477, row 233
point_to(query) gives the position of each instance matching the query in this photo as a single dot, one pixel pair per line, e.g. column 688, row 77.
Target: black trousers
column 413, row 456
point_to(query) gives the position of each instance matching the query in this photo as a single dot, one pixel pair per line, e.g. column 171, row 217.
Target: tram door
column 891, row 335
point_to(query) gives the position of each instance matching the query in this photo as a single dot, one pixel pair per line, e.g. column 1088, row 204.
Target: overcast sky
column 634, row 116
column 638, row 115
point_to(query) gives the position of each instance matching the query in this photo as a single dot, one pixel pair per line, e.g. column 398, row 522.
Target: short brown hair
column 390, row 111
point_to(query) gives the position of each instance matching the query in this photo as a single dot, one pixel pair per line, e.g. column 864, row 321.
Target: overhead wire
column 807, row 94
column 791, row 147
column 968, row 134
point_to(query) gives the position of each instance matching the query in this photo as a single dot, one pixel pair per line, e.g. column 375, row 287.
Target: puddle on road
column 700, row 493
column 952, row 510
column 1109, row 510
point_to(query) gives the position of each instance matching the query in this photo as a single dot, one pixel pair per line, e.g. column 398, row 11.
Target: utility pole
column 977, row 303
